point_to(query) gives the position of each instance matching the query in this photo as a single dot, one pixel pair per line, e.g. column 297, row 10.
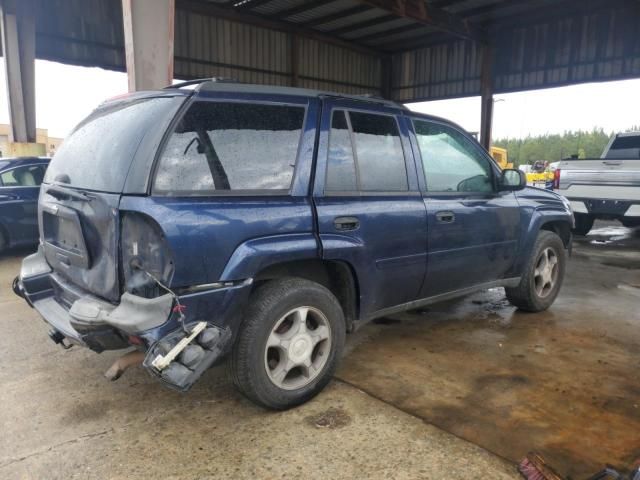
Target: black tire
column 267, row 306
column 630, row 222
column 584, row 223
column 525, row 296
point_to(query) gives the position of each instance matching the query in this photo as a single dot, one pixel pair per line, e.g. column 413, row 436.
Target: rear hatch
column 78, row 211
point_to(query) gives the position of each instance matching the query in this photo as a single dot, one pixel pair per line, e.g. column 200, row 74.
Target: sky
column 65, row 94
column 614, row 106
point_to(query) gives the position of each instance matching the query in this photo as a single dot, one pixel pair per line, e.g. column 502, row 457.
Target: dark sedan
column 20, row 180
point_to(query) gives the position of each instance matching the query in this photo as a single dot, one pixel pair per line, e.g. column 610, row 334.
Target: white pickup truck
column 605, row 188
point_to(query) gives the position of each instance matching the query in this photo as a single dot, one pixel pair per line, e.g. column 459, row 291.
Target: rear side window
column 27, row 176
column 218, row 147
column 98, row 153
column 365, row 154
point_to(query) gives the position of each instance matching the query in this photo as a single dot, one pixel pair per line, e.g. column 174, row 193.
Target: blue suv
column 20, row 180
column 216, row 220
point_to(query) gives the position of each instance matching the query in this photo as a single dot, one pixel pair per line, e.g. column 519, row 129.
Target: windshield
column 98, row 153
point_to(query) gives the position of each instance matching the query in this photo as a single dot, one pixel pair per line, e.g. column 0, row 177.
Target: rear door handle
column 346, row 223
column 445, row 217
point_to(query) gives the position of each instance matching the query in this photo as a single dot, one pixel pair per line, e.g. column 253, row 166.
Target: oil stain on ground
column 563, row 382
column 331, row 418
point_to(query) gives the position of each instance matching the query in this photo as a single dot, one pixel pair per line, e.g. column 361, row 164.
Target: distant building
column 42, row 136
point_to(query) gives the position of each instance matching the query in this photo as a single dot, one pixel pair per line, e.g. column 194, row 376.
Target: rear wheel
column 543, row 275
column 584, row 222
column 290, row 343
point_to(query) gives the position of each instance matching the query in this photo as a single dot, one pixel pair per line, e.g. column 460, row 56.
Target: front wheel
column 290, row 343
column 542, row 276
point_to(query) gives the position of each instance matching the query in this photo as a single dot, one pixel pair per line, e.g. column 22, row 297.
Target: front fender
column 537, row 219
column 256, row 254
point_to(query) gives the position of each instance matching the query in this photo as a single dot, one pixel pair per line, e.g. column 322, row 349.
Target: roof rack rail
column 200, row 81
column 381, row 99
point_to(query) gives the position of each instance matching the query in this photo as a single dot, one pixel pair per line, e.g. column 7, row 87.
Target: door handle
column 445, row 217
column 346, row 223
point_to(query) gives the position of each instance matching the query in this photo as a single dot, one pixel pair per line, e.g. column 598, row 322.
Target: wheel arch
column 337, row 276
column 553, row 221
column 562, row 228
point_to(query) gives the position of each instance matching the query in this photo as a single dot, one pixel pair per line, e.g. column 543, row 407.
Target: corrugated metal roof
column 538, row 43
column 599, row 45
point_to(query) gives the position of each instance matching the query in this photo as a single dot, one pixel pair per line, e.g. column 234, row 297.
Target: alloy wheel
column 297, row 348
column 545, row 274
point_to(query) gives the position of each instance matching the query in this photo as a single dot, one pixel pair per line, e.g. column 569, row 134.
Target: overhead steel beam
column 298, row 9
column 362, row 25
column 420, row 11
column 260, row 21
column 389, row 32
column 247, row 5
column 337, row 16
column 445, row 3
column 417, row 42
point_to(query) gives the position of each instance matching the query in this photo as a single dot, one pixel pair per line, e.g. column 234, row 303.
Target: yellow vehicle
column 500, row 156
column 540, row 177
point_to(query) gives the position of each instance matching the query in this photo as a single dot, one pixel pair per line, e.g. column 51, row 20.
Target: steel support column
column 295, row 54
column 19, row 52
column 148, row 38
column 486, row 97
column 386, row 80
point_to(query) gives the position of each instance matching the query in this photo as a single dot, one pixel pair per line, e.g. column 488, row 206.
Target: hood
column 544, row 198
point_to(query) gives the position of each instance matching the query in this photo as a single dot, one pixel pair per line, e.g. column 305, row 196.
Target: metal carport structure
column 405, row 50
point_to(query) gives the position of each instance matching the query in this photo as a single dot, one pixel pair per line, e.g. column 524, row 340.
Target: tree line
column 554, row 147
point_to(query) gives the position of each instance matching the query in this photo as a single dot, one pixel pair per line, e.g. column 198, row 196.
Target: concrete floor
column 423, row 395
column 564, row 382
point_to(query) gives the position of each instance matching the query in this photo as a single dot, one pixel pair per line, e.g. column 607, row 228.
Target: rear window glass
column 220, row 146
column 98, row 153
column 625, row 148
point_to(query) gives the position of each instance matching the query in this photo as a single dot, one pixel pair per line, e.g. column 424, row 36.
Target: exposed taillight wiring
column 178, row 307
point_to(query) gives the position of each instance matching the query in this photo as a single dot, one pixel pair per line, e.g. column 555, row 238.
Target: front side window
column 451, row 162
column 27, row 176
column 219, row 147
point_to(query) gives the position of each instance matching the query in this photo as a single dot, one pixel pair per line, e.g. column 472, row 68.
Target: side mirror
column 512, row 179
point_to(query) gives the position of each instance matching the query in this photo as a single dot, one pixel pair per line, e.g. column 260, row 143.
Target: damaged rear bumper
column 152, row 325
